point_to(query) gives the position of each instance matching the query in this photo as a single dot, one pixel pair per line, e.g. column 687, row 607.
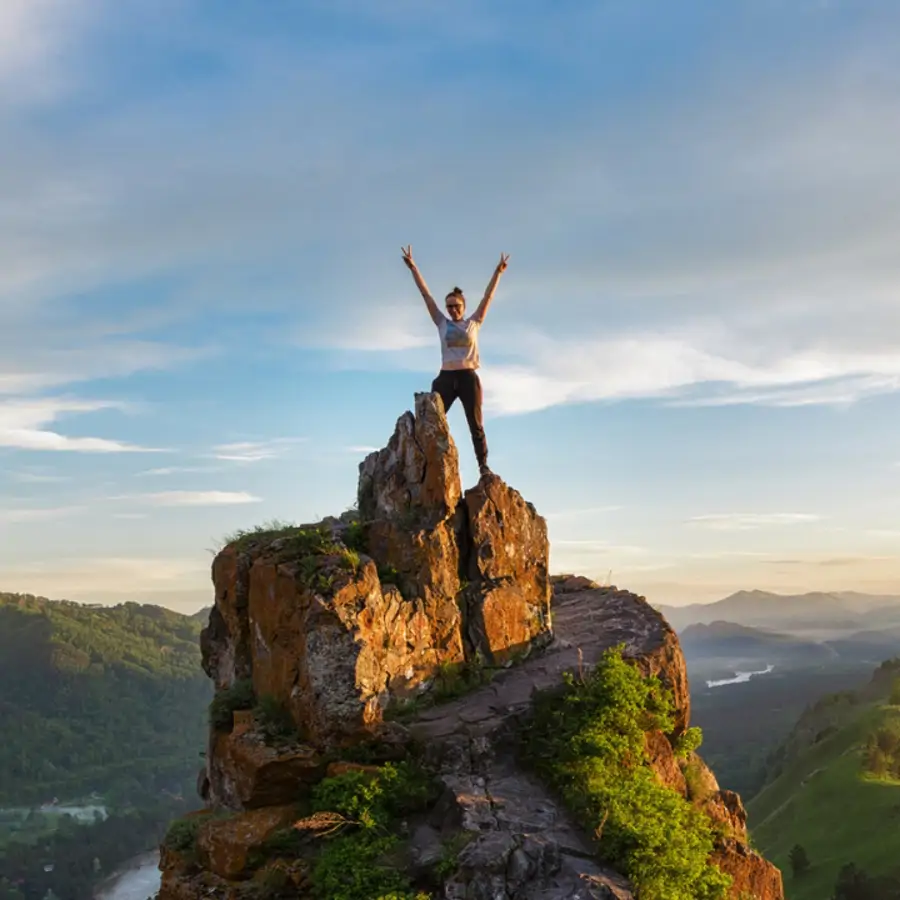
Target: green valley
column 103, row 716
column 833, row 792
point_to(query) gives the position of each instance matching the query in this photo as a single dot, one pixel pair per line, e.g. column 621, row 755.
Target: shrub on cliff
column 222, row 706
column 355, row 864
column 589, row 744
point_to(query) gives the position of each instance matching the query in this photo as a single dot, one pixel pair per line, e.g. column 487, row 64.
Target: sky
column 691, row 366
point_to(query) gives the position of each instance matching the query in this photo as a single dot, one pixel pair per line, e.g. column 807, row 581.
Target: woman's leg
column 470, row 395
column 445, row 385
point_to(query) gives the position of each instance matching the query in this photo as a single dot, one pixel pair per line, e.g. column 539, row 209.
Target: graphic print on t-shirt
column 456, row 335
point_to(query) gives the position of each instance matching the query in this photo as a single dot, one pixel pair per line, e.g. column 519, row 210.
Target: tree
column 853, row 884
column 895, row 692
column 799, row 860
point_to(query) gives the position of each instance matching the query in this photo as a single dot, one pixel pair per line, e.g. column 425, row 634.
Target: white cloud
column 684, row 371
column 255, row 451
column 33, row 37
column 361, row 448
column 21, row 422
column 192, row 498
column 749, row 521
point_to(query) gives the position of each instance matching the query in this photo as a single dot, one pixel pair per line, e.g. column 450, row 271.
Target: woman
column 459, row 351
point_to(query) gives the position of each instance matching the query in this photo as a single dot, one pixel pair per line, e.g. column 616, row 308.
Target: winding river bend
column 137, row 881
column 739, row 677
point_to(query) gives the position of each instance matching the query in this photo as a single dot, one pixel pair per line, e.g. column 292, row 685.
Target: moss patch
column 587, row 741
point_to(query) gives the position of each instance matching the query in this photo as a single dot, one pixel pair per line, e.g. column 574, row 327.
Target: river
column 739, row 677
column 138, row 881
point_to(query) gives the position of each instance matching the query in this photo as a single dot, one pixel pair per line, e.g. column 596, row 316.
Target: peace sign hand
column 504, row 262
column 407, row 258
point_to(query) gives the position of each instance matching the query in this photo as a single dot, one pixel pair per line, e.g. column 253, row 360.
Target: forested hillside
column 105, row 699
column 829, row 812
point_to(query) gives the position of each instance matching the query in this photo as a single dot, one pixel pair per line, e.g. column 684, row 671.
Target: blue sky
column 691, row 366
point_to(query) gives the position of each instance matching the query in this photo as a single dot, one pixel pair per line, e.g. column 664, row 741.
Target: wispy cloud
column 681, row 371
column 750, row 521
column 191, row 498
column 30, row 477
column 255, row 451
column 46, row 514
column 177, row 470
column 577, row 513
column 361, row 448
column 21, row 424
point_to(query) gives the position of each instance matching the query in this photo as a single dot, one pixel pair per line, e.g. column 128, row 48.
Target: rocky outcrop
column 336, row 635
column 339, row 623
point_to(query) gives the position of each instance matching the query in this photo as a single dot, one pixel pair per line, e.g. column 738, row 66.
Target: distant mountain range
column 817, row 614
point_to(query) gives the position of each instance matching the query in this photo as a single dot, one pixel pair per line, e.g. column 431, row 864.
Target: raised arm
column 420, row 284
column 481, row 312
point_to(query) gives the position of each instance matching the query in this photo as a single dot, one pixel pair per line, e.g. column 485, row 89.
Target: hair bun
column 457, row 290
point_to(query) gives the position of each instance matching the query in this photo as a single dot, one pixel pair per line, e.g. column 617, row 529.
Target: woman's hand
column 407, row 258
column 504, row 262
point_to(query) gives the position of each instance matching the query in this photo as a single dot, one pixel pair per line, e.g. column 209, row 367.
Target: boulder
column 508, row 601
column 246, row 773
column 225, row 844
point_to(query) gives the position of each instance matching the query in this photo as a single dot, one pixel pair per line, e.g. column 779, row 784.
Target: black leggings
column 465, row 384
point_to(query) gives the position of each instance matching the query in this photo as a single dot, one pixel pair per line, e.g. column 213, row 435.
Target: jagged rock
column 664, row 762
column 224, row 845
column 752, row 875
column 415, row 478
column 508, row 602
column 726, row 809
column 246, row 773
column 409, row 497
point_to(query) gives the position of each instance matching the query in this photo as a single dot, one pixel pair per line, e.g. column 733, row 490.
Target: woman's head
column 456, row 304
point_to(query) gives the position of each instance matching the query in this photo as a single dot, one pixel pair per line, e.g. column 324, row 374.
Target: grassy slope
column 824, row 802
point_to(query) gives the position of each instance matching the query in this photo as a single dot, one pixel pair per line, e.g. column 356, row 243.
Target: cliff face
column 406, row 609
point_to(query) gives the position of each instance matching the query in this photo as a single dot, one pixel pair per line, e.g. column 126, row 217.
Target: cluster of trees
column 855, row 884
column 852, row 882
column 882, row 752
column 102, row 701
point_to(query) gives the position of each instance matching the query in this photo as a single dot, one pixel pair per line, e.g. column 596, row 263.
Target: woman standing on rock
column 459, row 351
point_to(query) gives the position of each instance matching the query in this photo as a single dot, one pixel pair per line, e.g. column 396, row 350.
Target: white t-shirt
column 459, row 343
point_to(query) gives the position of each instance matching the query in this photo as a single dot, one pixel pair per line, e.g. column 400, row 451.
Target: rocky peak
column 337, row 620
column 336, row 623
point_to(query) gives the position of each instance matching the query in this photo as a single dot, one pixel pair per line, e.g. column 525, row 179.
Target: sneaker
column 484, row 470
